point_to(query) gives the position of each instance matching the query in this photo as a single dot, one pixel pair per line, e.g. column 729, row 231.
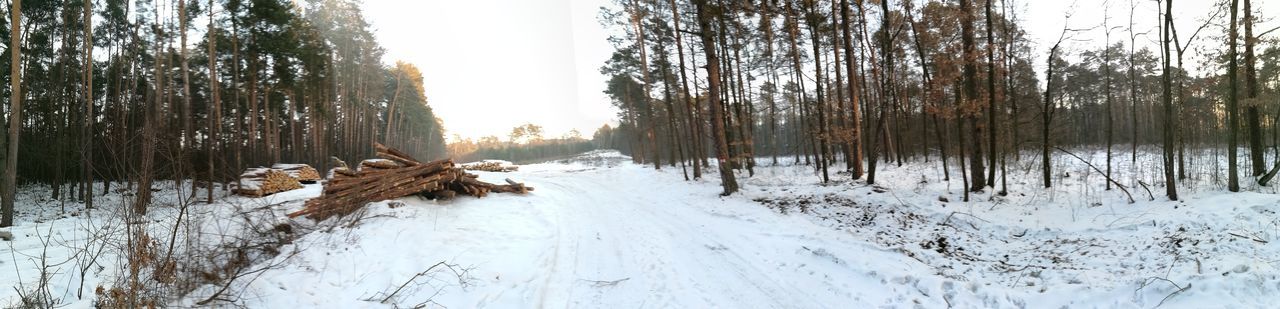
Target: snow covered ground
column 601, row 232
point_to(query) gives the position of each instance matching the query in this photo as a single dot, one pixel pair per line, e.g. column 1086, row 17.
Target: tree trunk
column 1106, row 69
column 391, row 107
column 713, row 79
column 149, row 134
column 823, row 151
column 1046, row 118
column 855, row 158
column 637, row 20
column 215, row 113
column 1233, row 102
column 1133, row 92
column 971, row 95
column 188, row 127
column 1251, row 94
column 696, row 146
column 1171, row 188
column 991, row 101
column 15, row 115
column 86, row 150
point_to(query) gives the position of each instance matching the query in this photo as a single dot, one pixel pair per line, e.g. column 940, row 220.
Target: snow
column 600, row 231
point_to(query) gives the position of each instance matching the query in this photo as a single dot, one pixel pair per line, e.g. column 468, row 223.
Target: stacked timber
column 396, row 174
column 490, row 166
column 302, row 172
column 261, row 181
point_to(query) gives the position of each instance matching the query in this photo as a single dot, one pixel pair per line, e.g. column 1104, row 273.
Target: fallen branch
column 1180, row 288
column 460, row 273
column 1253, row 238
column 1104, row 174
column 1144, row 186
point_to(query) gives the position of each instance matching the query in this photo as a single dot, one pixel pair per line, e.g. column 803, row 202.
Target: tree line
column 525, row 144
column 848, row 85
column 124, row 93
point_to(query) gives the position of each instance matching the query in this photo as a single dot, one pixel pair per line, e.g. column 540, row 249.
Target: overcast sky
column 1044, row 21
column 489, row 65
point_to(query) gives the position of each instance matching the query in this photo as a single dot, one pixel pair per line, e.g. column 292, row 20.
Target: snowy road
column 601, row 232
column 590, row 236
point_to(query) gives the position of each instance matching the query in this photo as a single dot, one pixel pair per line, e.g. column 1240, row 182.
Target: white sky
column 490, row 65
column 1044, row 21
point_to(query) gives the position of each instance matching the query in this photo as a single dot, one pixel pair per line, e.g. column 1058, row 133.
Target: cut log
column 379, row 164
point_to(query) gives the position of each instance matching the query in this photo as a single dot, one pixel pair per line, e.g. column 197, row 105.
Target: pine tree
column 707, row 33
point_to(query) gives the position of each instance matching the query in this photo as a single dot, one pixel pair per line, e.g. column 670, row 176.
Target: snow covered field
column 601, row 232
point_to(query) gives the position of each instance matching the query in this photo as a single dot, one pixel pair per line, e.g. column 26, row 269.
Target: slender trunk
column 971, row 96
column 1233, row 102
column 188, row 129
column 792, row 34
column 713, row 79
column 856, row 133
column 928, row 94
column 237, row 126
column 1251, row 94
column 637, row 20
column 1133, row 92
column 878, row 135
column 842, row 122
column 215, row 113
column 991, row 101
column 86, row 150
column 695, row 147
column 1046, row 119
column 149, row 133
column 391, row 107
column 1106, row 69
column 15, row 115
column 964, row 173
column 1171, row 189
column 673, row 132
column 821, row 98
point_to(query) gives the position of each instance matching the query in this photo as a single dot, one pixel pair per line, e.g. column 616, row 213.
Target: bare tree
column 1171, row 189
column 1049, row 107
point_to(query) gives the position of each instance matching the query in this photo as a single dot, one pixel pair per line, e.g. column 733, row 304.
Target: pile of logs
column 490, row 166
column 261, row 181
column 302, row 172
column 396, row 174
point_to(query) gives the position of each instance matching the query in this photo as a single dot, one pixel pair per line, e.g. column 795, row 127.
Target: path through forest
column 600, row 231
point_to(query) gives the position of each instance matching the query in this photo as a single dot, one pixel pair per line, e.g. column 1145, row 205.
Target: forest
column 664, row 153
column 124, row 93
column 847, row 87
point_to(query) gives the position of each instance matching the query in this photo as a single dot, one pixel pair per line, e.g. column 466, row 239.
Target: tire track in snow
column 655, row 241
